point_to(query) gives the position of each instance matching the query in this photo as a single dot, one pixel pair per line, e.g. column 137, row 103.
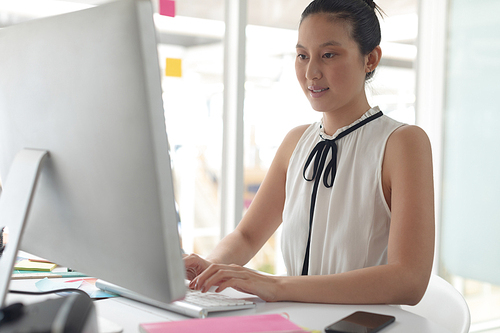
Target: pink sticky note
column 238, row 324
column 167, row 8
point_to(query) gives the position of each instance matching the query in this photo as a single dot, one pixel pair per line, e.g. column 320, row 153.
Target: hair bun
column 371, row 3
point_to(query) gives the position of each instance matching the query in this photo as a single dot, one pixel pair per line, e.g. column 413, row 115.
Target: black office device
column 361, row 322
column 71, row 314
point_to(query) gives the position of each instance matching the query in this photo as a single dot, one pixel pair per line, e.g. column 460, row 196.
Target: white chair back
column 444, row 305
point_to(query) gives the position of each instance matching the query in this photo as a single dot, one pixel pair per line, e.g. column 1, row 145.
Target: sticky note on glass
column 28, row 265
column 167, row 8
column 173, row 67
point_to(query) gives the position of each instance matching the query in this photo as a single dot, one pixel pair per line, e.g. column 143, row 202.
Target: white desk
column 129, row 314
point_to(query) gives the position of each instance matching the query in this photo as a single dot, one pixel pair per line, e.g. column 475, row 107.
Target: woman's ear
column 372, row 59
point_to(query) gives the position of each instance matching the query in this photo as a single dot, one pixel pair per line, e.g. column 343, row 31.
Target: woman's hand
column 239, row 278
column 195, row 265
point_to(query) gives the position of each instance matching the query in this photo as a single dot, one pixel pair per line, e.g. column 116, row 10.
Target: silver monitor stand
column 15, row 204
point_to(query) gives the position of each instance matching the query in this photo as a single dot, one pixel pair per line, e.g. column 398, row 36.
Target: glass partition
column 193, row 101
column 470, row 251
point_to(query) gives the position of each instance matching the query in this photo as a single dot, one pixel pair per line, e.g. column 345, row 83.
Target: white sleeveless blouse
column 350, row 228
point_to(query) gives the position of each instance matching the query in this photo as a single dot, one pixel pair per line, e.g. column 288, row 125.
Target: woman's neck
column 334, row 120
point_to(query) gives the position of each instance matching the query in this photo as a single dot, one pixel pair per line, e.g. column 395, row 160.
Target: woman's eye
column 301, row 56
column 329, row 55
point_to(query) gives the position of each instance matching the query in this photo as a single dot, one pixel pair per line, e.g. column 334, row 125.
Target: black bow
column 320, row 154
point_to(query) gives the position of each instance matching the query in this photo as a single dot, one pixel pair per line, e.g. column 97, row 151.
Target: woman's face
column 329, row 65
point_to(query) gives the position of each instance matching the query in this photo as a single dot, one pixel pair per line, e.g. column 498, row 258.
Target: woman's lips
column 316, row 91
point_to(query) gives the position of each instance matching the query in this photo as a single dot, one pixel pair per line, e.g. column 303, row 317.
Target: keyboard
column 214, row 302
column 196, row 304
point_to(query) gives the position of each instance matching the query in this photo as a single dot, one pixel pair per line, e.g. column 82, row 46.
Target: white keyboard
column 216, row 302
column 196, row 304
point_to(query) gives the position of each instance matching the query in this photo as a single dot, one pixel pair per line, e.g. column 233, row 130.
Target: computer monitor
column 86, row 88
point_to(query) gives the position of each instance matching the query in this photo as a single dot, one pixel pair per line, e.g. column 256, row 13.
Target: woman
column 354, row 192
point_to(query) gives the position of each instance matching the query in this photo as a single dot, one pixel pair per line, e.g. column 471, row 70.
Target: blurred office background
column 439, row 66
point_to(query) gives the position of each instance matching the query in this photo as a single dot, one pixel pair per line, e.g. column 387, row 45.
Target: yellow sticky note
column 27, row 265
column 174, row 67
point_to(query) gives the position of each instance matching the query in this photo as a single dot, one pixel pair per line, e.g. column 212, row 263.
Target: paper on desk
column 51, row 285
column 86, row 285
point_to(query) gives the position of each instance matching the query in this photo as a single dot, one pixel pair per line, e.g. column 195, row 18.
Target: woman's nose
column 313, row 71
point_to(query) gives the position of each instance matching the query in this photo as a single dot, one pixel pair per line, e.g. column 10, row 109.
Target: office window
column 470, row 251
column 193, row 101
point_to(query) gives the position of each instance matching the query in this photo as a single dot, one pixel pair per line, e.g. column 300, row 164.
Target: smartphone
column 360, row 322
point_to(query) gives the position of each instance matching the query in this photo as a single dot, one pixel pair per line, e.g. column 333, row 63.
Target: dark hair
column 361, row 14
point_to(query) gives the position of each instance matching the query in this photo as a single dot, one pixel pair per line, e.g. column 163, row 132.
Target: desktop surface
column 128, row 314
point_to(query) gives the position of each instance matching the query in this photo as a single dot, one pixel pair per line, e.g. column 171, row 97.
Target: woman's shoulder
column 294, row 135
column 408, row 145
column 290, row 142
column 407, row 135
column 297, row 132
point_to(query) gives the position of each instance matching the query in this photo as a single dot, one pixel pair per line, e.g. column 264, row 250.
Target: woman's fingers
column 239, row 278
column 224, row 274
column 200, row 281
column 191, row 273
column 195, row 265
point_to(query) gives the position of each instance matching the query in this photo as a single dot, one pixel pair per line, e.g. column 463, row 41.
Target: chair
column 443, row 305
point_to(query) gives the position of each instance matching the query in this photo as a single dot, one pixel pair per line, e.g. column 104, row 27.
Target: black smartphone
column 361, row 322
